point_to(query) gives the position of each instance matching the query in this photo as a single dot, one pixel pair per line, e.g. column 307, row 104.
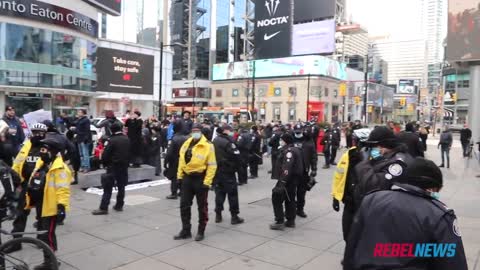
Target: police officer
column 410, row 212
column 274, row 143
column 327, row 141
column 196, row 170
column 48, row 191
column 23, row 165
column 388, row 161
column 171, row 158
column 115, row 158
column 288, row 170
column 303, row 141
column 345, row 179
column 227, row 155
column 244, row 143
column 412, row 140
column 255, row 157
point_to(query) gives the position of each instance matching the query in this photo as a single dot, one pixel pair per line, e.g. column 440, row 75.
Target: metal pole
column 253, row 93
column 366, row 93
column 308, row 97
column 160, row 84
column 194, row 95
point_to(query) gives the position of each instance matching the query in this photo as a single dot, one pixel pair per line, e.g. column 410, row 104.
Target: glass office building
column 45, row 64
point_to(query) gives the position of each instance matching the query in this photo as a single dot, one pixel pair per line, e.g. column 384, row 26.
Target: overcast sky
column 398, row 18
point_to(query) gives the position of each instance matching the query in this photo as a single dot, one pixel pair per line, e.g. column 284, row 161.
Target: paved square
column 141, row 237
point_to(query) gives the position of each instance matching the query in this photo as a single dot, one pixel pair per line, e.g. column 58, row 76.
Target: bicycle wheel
column 34, row 252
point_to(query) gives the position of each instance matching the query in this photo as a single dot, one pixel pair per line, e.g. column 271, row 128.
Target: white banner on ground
column 99, row 191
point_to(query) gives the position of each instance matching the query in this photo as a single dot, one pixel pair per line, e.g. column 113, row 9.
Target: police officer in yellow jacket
column 344, row 180
column 23, row 165
column 48, row 191
column 196, row 170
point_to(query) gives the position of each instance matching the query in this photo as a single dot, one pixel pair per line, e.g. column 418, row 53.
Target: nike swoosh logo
column 267, row 37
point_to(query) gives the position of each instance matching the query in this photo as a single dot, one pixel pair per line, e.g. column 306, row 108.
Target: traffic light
column 454, row 97
column 342, row 89
column 357, row 100
column 403, row 101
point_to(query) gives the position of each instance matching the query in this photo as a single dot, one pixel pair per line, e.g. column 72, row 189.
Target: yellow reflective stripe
column 58, row 185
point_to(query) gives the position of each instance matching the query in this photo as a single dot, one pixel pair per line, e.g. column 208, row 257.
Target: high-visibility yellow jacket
column 21, row 158
column 340, row 176
column 57, row 187
column 203, row 160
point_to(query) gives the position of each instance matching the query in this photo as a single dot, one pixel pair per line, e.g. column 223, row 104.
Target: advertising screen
column 112, row 7
column 406, row 87
column 281, row 67
column 273, row 25
column 124, row 72
column 463, row 42
column 314, row 38
column 307, row 10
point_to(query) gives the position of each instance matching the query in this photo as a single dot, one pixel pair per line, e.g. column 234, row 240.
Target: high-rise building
column 407, row 59
column 435, row 28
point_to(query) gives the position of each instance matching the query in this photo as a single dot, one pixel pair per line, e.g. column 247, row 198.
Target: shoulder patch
column 63, row 175
column 234, row 146
column 395, row 169
column 388, row 176
column 289, row 155
column 456, row 228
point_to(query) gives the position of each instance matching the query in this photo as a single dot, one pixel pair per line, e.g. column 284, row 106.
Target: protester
column 171, row 158
column 255, row 157
column 134, row 126
column 445, row 144
column 106, row 124
column 84, row 139
column 465, row 139
column 15, row 135
column 412, row 140
column 187, row 121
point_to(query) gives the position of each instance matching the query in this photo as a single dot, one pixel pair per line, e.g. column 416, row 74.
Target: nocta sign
column 272, row 7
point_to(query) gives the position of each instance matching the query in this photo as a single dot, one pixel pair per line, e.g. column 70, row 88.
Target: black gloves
column 206, row 187
column 61, row 214
column 311, row 183
column 336, row 205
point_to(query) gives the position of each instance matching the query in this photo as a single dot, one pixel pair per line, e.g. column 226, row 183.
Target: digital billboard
column 315, row 65
column 112, row 7
column 463, row 41
column 406, row 87
column 124, row 72
column 273, row 26
column 314, row 38
column 307, row 10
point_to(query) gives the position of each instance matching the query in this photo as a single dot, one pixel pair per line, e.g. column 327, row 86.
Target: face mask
column 282, row 144
column 196, row 135
column 435, row 195
column 298, row 135
column 231, row 133
column 46, row 157
column 375, row 153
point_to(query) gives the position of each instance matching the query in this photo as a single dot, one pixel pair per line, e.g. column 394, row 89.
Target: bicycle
column 34, row 252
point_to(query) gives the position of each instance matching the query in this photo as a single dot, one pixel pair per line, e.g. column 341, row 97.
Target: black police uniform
column 413, row 143
column 405, row 214
column 274, row 143
column 381, row 173
column 244, row 143
column 310, row 161
column 225, row 181
column 255, row 157
column 171, row 161
column 288, row 171
column 115, row 158
column 335, row 143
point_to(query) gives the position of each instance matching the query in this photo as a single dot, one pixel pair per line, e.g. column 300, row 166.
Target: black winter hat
column 177, row 126
column 287, row 138
column 197, row 126
column 116, row 127
column 424, row 174
column 382, row 136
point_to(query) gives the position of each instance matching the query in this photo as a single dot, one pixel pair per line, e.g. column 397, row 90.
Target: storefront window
column 65, row 61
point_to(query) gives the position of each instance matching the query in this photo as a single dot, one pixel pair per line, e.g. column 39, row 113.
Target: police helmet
column 38, row 127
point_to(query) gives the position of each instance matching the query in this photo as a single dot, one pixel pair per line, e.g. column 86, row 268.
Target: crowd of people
column 390, row 192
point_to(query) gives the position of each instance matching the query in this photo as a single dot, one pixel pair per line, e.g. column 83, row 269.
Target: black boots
column 290, row 224
column 218, row 218
column 277, row 226
column 200, row 236
column 301, row 214
column 99, row 212
column 236, row 220
column 184, row 234
column 172, row 197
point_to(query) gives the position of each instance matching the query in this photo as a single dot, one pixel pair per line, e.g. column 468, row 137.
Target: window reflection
column 39, row 46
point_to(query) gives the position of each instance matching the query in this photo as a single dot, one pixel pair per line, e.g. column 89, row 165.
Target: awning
column 448, row 113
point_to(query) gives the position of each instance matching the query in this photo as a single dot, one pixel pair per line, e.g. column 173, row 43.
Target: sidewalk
column 141, row 237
